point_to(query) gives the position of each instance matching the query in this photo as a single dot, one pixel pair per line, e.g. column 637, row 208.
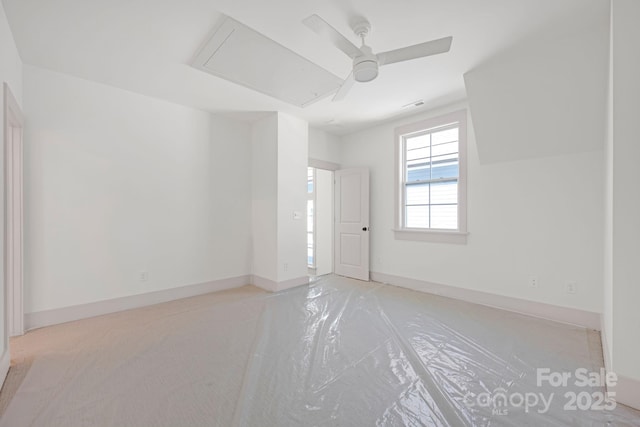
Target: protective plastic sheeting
column 338, row 352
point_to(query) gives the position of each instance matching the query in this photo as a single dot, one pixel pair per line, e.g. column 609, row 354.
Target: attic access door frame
column 13, row 216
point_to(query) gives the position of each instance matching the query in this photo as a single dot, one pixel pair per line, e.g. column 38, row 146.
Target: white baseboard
column 41, row 319
column 628, row 391
column 556, row 313
column 273, row 286
column 263, row 283
column 5, row 363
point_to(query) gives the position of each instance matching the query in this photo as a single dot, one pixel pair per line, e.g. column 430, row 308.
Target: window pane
column 417, row 142
column 444, row 192
column 417, row 217
column 309, row 180
column 417, row 194
column 445, row 157
column 446, row 169
column 445, row 217
column 448, row 148
column 443, row 136
column 417, row 163
column 418, row 173
column 310, row 256
column 418, row 153
column 310, row 240
column 309, row 215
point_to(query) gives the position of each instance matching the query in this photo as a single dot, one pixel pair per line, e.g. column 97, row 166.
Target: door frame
column 13, row 215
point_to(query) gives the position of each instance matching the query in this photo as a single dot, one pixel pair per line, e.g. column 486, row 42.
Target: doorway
column 319, row 221
column 13, row 221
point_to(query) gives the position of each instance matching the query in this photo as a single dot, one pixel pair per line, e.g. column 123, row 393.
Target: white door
column 352, row 223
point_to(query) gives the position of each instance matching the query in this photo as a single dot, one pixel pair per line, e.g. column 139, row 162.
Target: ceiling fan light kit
column 365, row 62
column 365, row 66
column 365, row 71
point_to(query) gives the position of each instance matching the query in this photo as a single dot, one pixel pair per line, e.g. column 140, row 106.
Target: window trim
column 459, row 235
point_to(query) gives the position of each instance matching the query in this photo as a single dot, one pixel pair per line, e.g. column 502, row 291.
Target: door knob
column 364, row 228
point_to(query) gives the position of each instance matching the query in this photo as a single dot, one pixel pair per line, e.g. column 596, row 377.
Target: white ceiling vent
column 240, row 54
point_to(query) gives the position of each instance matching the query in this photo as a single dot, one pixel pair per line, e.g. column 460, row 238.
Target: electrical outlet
column 533, row 281
column 285, row 266
column 144, row 276
column 572, row 287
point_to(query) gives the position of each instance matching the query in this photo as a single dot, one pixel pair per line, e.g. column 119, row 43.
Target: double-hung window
column 431, row 179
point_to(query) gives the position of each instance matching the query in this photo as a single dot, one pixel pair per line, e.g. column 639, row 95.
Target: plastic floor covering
column 338, row 352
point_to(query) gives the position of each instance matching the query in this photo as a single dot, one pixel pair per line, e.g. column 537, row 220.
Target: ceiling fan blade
column 420, row 50
column 321, row 27
column 344, row 89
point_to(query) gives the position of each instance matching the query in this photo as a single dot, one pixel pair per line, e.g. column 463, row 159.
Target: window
column 431, row 179
column 311, row 197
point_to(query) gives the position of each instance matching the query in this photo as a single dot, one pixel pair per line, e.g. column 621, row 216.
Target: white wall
column 539, row 216
column 264, row 172
column 11, row 73
column 625, row 228
column 323, row 211
column 324, row 146
column 117, row 183
column 292, row 196
column 545, row 96
column 607, row 301
column 10, row 62
column 279, row 177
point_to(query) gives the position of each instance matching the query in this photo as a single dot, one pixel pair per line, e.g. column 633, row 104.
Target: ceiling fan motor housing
column 365, row 67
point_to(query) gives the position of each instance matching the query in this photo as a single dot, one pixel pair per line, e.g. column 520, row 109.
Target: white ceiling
column 146, row 46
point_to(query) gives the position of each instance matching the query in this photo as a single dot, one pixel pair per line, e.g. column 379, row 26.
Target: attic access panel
column 242, row 55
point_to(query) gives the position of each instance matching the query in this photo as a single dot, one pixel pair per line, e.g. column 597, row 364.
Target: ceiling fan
column 365, row 62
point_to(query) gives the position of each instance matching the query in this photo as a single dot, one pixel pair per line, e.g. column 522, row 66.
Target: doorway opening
column 319, row 221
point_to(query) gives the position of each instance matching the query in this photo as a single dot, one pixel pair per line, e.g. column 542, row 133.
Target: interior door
column 352, row 223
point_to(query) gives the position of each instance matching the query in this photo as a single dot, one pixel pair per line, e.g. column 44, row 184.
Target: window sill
column 433, row 236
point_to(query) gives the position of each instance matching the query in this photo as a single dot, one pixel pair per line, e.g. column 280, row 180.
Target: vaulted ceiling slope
column 146, row 46
column 545, row 96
